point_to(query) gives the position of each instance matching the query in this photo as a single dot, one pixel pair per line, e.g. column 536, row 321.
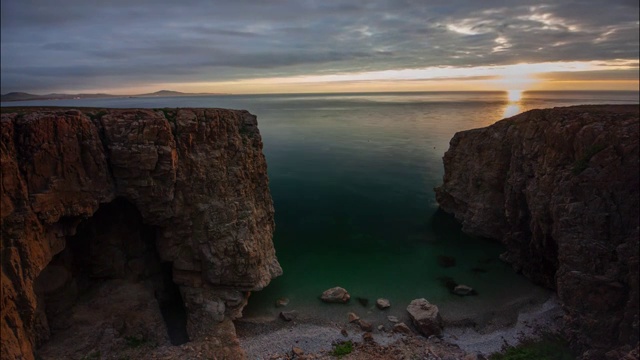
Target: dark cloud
column 55, row 45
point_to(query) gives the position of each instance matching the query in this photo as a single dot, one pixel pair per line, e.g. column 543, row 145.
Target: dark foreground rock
column 176, row 200
column 559, row 188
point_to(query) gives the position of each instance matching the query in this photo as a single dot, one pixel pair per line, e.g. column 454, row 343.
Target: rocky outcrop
column 196, row 177
column 559, row 188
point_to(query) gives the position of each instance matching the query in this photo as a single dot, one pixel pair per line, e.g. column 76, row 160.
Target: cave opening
column 172, row 307
column 112, row 253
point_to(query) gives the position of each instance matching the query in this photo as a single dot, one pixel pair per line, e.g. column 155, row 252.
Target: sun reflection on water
column 513, row 106
column 511, row 110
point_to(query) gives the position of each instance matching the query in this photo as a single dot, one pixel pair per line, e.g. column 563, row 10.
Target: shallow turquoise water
column 351, row 178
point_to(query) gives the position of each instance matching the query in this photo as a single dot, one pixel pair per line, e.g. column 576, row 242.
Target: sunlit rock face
column 196, row 177
column 559, row 188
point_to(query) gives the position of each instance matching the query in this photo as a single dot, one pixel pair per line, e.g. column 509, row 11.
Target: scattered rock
column 353, row 317
column 288, row 315
column 365, row 325
column 335, row 295
column 367, row 337
column 402, row 328
column 381, row 327
column 448, row 283
column 344, row 332
column 463, row 290
column 425, row 316
column 392, row 319
column 383, row 304
column 446, row 261
column 297, row 351
column 363, row 301
column 282, row 302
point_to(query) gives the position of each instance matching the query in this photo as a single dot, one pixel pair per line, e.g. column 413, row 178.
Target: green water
column 352, row 180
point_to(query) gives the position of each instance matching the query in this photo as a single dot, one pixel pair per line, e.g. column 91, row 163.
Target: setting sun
column 514, row 95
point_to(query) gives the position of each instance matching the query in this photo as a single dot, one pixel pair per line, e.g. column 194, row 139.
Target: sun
column 514, row 95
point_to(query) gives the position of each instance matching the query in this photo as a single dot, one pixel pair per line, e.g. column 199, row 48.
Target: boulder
column 288, row 315
column 383, row 304
column 463, row 290
column 365, row 325
column 392, row 319
column 402, row 328
column 353, row 317
column 335, row 295
column 282, row 302
column 296, row 351
column 425, row 317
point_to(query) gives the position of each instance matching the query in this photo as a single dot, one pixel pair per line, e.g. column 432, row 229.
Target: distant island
column 22, row 96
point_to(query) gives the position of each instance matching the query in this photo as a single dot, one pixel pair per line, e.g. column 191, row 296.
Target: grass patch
column 547, row 348
column 134, row 341
column 342, row 348
column 581, row 164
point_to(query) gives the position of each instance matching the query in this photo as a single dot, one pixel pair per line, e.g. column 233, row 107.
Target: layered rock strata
column 197, row 178
column 559, row 188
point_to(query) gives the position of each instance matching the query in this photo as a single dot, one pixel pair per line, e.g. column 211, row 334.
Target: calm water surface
column 351, row 177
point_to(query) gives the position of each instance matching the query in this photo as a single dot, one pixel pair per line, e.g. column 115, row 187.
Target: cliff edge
column 559, row 188
column 166, row 205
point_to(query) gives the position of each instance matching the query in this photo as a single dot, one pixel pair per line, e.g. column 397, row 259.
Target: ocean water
column 352, row 178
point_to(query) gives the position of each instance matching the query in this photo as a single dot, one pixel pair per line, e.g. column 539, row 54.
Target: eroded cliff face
column 197, row 180
column 559, row 188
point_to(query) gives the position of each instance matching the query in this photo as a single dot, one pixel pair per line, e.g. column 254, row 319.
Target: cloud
column 70, row 43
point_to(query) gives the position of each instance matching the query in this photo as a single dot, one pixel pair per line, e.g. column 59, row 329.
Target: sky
column 276, row 46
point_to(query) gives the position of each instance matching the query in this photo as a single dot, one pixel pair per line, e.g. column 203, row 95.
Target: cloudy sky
column 242, row 46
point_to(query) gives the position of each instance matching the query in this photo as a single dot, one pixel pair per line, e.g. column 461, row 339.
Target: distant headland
column 22, row 96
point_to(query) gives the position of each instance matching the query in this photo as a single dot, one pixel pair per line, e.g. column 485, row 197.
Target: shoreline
column 272, row 338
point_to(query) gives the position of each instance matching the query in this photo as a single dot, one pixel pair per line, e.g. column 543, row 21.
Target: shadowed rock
column 559, row 188
column 445, row 261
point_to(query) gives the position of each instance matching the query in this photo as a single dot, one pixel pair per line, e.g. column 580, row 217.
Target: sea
column 352, row 178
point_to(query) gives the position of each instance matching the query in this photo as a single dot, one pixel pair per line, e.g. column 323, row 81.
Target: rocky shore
column 315, row 337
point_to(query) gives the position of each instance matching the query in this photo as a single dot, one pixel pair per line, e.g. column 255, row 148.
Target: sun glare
column 514, row 95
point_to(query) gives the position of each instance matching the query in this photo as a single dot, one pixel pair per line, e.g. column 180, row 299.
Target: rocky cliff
column 144, row 201
column 559, row 188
